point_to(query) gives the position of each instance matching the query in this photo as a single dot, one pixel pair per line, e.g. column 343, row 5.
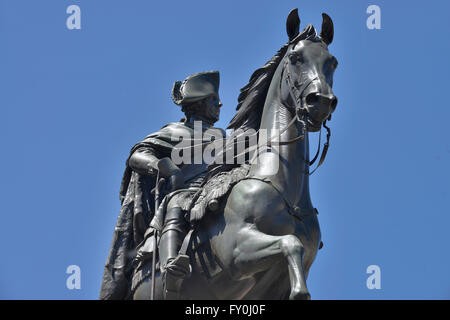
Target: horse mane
column 253, row 95
column 251, row 103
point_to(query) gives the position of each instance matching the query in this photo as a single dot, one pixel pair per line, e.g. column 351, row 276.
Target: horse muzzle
column 320, row 106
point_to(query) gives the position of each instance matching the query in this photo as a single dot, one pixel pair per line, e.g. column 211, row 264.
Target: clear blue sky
column 73, row 102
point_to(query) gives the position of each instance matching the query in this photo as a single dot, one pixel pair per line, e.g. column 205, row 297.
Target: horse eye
column 295, row 58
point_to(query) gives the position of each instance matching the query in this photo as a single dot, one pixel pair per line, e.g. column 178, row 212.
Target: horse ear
column 327, row 32
column 293, row 24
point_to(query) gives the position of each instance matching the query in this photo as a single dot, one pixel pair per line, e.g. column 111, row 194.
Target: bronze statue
column 198, row 96
column 253, row 231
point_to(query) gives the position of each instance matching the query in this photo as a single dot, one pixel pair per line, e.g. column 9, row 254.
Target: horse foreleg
column 256, row 251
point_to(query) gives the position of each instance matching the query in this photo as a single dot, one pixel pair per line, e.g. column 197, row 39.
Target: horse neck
column 291, row 177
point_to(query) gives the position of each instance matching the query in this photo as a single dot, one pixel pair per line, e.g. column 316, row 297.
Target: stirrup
column 175, row 272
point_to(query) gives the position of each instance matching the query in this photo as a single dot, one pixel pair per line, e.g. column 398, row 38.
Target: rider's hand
column 173, row 174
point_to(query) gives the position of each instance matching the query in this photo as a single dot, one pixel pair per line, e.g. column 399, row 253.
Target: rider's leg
column 175, row 267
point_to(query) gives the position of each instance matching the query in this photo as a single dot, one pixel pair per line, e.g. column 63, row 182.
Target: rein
column 304, row 112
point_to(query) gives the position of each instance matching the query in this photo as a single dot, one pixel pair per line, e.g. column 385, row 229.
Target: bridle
column 301, row 113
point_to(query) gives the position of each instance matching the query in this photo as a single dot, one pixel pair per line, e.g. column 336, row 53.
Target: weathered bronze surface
column 252, row 231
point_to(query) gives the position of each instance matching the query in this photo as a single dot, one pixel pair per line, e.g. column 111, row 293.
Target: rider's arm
column 144, row 161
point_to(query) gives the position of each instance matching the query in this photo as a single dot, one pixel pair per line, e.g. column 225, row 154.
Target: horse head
column 308, row 69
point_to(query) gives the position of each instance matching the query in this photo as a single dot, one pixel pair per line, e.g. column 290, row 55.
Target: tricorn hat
column 196, row 87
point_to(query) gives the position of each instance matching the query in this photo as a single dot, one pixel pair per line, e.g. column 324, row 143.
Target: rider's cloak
column 137, row 210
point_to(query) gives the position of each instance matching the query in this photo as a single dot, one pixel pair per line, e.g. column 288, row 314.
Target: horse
column 263, row 239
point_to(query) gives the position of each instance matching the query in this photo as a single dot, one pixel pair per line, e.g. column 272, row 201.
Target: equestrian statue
column 226, row 229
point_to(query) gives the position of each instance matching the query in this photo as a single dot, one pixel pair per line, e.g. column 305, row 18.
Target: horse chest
column 277, row 224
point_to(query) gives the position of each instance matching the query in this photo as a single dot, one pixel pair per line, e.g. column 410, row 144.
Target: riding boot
column 175, row 267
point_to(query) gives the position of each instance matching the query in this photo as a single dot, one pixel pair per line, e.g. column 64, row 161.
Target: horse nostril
column 333, row 103
column 312, row 98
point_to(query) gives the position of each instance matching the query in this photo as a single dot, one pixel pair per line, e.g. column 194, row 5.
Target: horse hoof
column 299, row 295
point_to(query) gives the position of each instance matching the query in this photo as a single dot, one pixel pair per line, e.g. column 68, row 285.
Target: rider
column 199, row 100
